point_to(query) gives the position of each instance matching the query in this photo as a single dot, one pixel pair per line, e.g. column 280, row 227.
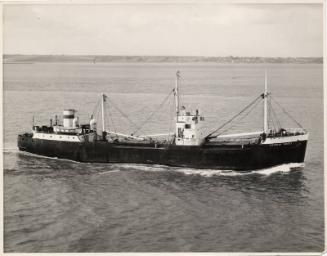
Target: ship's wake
column 285, row 168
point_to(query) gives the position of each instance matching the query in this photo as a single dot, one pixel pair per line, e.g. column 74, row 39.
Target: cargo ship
column 187, row 146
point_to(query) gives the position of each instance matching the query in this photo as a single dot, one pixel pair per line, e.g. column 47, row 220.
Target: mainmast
column 102, row 112
column 177, row 93
column 265, row 106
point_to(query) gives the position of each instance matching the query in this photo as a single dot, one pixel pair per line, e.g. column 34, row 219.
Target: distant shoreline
column 28, row 59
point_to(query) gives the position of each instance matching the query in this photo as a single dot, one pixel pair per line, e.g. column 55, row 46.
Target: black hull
column 223, row 157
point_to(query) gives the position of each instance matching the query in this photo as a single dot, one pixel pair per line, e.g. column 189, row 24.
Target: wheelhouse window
column 187, row 126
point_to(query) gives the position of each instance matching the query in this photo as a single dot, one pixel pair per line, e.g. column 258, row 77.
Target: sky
column 267, row 30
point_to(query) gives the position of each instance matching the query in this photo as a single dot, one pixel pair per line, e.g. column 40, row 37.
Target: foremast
column 265, row 106
column 103, row 100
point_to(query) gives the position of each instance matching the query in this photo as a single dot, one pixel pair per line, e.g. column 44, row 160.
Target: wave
column 284, row 168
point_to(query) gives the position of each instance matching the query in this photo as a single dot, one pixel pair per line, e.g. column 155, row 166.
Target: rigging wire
column 97, row 110
column 120, row 119
column 277, row 125
column 122, row 113
column 235, row 116
column 285, row 112
column 96, row 107
column 170, row 115
column 180, row 91
column 109, row 114
column 97, row 115
column 245, row 115
column 156, row 110
column 271, row 117
column 275, row 116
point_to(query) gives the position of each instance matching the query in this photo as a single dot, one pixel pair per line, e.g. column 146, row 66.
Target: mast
column 102, row 112
column 176, row 93
column 265, row 106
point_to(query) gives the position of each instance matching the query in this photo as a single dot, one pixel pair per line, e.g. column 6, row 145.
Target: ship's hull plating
column 224, row 157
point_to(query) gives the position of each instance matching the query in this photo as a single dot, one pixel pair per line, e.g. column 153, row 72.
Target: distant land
column 16, row 58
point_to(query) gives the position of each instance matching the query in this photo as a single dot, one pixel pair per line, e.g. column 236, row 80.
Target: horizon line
column 179, row 56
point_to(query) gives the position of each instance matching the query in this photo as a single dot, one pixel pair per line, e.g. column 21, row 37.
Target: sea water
column 53, row 205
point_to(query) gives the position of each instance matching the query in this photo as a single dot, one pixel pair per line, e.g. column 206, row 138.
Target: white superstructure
column 188, row 126
column 57, row 137
column 69, row 131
